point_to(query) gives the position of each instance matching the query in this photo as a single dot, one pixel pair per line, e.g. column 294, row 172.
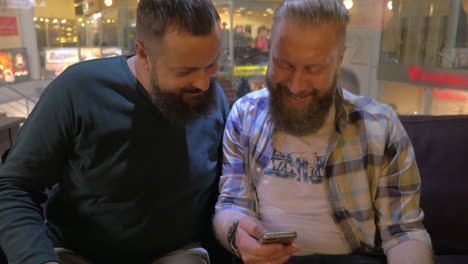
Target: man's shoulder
column 258, row 99
column 94, row 68
column 84, row 78
column 361, row 107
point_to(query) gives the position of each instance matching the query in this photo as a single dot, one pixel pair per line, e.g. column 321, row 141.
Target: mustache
column 282, row 86
column 190, row 89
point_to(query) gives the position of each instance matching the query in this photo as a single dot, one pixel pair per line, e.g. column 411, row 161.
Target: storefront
column 423, row 65
column 385, row 38
column 424, row 90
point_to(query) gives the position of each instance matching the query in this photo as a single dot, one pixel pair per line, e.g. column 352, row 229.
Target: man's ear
column 342, row 53
column 142, row 55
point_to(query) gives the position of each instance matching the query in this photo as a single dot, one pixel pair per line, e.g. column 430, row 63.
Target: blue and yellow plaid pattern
column 371, row 181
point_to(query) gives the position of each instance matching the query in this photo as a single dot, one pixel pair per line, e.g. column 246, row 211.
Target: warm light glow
column 419, row 75
column 465, row 6
column 390, row 5
column 55, row 21
column 41, row 19
column 63, row 21
column 108, row 20
column 35, row 18
column 80, row 19
column 97, row 15
column 108, row 2
column 348, row 4
column 47, row 20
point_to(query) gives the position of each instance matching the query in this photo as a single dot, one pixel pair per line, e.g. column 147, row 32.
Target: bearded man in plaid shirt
column 305, row 155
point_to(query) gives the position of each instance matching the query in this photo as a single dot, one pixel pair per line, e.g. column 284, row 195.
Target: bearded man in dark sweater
column 131, row 145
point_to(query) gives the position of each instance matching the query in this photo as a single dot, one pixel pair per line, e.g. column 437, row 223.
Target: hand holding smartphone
column 284, row 238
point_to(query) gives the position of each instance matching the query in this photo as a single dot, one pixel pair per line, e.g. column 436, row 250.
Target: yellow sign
column 250, row 70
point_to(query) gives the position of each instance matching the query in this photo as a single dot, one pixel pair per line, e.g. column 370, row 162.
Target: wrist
column 231, row 238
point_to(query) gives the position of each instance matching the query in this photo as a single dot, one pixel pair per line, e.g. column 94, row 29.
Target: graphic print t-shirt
column 291, row 194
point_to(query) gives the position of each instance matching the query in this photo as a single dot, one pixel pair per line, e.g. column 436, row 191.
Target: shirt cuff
column 415, row 235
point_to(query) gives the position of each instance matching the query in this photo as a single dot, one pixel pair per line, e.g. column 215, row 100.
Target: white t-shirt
column 291, row 194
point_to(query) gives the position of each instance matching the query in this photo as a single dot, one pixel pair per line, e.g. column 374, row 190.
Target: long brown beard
column 305, row 120
column 173, row 107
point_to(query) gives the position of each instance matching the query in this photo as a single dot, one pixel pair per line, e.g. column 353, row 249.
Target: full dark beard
column 179, row 112
column 295, row 120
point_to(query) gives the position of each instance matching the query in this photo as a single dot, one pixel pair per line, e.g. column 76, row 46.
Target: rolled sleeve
column 399, row 215
column 235, row 192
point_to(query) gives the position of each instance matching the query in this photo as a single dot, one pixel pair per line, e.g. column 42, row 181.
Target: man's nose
column 203, row 78
column 202, row 81
column 298, row 84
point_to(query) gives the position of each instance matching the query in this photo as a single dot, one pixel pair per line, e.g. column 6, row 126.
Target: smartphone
column 284, row 238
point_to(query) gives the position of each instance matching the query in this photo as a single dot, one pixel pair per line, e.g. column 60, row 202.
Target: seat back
column 441, row 147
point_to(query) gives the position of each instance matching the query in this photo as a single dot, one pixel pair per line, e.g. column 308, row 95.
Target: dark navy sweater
column 131, row 186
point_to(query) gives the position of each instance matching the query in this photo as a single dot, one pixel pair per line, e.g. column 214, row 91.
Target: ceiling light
column 390, row 5
column 348, row 4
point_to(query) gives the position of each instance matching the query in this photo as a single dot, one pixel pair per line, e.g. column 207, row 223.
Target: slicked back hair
column 309, row 13
column 156, row 17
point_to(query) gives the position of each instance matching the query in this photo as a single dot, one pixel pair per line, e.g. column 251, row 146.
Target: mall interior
column 411, row 54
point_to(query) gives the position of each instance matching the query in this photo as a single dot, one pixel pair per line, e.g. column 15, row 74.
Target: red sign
column 459, row 96
column 13, row 65
column 418, row 75
column 8, row 26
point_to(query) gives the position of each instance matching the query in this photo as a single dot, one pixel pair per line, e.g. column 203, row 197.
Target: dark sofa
column 441, row 146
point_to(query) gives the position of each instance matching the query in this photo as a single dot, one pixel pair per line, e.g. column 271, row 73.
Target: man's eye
column 314, row 70
column 184, row 73
column 283, row 65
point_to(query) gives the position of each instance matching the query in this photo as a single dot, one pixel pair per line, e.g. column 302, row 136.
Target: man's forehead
column 184, row 50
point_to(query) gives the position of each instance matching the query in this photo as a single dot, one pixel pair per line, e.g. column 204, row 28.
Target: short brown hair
column 154, row 17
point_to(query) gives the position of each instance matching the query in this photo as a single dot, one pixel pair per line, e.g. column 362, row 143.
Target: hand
column 247, row 235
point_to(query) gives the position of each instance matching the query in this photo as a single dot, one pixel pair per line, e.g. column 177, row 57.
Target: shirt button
column 259, row 170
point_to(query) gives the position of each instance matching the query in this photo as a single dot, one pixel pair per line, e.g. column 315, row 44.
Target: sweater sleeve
column 35, row 163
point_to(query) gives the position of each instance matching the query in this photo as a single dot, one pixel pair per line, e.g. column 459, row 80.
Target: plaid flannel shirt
column 371, row 180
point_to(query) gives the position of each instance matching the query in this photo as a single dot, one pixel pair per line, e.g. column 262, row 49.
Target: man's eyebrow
column 197, row 68
column 307, row 66
column 281, row 60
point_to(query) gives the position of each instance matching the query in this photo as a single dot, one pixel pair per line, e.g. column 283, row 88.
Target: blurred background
column 411, row 54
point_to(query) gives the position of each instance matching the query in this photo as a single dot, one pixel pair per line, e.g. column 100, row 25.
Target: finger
column 246, row 243
column 281, row 251
column 270, row 251
column 253, row 259
column 293, row 248
column 280, row 260
column 252, row 226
